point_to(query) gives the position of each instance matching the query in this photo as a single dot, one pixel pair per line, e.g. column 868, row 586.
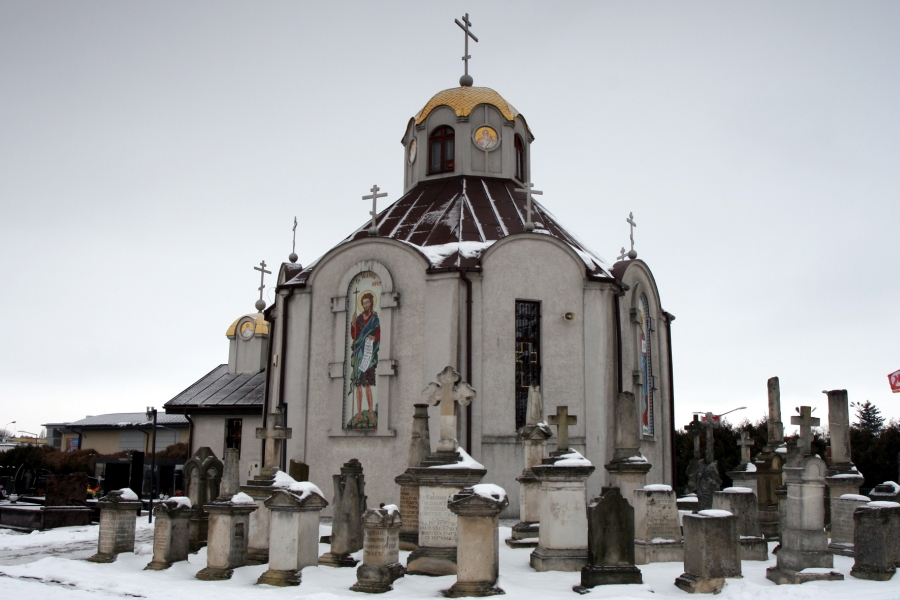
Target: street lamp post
column 5, row 429
column 151, row 416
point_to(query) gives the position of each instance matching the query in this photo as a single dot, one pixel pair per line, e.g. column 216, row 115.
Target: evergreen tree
column 868, row 416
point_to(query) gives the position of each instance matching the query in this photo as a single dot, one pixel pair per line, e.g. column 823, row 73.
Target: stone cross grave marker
column 695, row 428
column 806, row 422
column 745, row 443
column 274, row 434
column 710, row 440
column 562, row 420
column 447, row 392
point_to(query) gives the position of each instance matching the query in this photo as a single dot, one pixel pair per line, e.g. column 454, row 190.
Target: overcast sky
column 151, row 154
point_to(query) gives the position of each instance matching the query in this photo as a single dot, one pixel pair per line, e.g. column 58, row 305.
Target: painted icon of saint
column 486, row 138
column 365, row 333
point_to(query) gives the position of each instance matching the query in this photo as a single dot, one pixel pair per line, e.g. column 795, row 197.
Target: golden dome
column 463, row 99
column 260, row 325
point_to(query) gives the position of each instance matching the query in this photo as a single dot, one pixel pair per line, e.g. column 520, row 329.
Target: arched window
column 646, row 355
column 520, row 159
column 440, row 150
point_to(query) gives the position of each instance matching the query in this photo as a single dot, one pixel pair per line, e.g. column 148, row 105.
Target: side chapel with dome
column 456, row 272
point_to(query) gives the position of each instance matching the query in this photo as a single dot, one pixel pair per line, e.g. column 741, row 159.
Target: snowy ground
column 49, row 566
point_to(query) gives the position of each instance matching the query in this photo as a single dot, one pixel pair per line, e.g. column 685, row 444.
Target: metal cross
column 630, row 221
column 806, row 422
column 374, row 196
column 622, row 253
column 527, row 189
column 745, row 443
column 294, row 245
column 468, row 35
column 262, row 276
column 562, row 420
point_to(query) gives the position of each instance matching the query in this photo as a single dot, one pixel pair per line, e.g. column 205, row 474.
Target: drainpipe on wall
column 669, row 318
column 618, row 295
column 468, row 374
column 187, row 416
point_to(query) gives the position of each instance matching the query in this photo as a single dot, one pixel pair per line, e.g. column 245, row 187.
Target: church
column 466, row 269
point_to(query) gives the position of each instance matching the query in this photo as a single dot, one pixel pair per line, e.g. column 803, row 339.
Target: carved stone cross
column 695, row 428
column 710, row 439
column 274, row 435
column 745, row 442
column 806, row 422
column 447, row 392
column 562, row 420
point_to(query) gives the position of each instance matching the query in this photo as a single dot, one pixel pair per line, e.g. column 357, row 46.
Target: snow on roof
column 129, row 420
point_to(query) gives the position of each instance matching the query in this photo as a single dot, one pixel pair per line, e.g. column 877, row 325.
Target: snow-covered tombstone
column 741, row 502
column 478, row 552
column 657, row 530
column 381, row 551
column 875, row 540
column 118, row 515
column 294, row 530
column 170, row 532
column 710, row 551
column 842, row 523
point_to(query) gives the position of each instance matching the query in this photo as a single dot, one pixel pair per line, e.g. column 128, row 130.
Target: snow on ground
column 55, row 578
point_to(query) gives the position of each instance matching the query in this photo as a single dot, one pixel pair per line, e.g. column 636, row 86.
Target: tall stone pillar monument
column 534, row 435
column 628, row 468
column 419, row 449
column 769, row 465
column 842, row 477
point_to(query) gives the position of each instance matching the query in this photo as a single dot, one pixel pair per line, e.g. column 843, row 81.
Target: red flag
column 894, row 378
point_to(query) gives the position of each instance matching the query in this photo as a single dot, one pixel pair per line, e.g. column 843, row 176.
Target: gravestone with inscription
column 842, row 524
column 419, row 449
column 710, row 552
column 293, row 532
column 478, row 555
column 657, row 532
column 440, row 475
column 349, row 506
column 628, row 468
column 610, row 543
column 534, row 435
column 381, row 551
column 741, row 502
column 170, row 533
column 876, row 535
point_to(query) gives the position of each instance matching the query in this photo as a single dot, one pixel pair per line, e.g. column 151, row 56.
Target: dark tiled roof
column 219, row 390
column 452, row 221
column 128, row 420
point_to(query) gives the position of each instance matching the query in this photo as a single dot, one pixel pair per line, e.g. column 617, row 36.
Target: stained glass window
column 646, row 353
column 528, row 354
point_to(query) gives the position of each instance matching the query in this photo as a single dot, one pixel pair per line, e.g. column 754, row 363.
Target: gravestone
column 349, row 506
column 744, row 475
column 298, row 470
column 440, row 475
column 710, row 552
column 260, row 487
column 381, row 551
column 118, row 516
column 628, row 468
column 803, row 555
column 886, row 492
column 842, row 524
column 695, row 428
column 657, row 531
column 419, row 449
column 769, row 465
column 708, row 483
column 843, row 477
column 203, row 476
column 293, row 532
column 226, row 548
column 478, row 554
column 611, row 534
column 562, row 544
column 170, row 533
column 534, row 435
column 877, row 530
column 741, row 502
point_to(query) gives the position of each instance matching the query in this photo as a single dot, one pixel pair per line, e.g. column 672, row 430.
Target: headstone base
column 433, row 562
column 259, row 488
column 472, row 589
column 198, row 530
column 693, row 584
column 768, row 522
column 377, row 580
column 524, row 535
column 330, row 559
column 649, row 552
column 102, row 558
column 872, row 573
column 787, row 576
column 214, row 574
column 594, row 575
column 279, row 578
column 552, row 559
column 753, row 548
column 527, row 543
column 157, row 565
column 842, row 549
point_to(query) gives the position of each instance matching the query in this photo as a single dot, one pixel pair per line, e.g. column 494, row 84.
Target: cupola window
column 440, row 150
column 520, row 158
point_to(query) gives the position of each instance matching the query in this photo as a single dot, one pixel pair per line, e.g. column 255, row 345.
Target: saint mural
column 646, row 370
column 361, row 362
column 486, row 138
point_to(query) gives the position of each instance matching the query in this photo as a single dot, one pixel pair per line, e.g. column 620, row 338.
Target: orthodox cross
column 374, row 196
column 562, row 420
column 630, row 220
column 447, row 392
column 695, row 428
column 806, row 422
column 294, row 244
column 745, row 442
column 260, row 304
column 465, row 80
column 622, row 253
column 527, row 189
column 273, row 434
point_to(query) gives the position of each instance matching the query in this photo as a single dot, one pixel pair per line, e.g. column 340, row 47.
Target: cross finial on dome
column 466, row 80
column 261, row 304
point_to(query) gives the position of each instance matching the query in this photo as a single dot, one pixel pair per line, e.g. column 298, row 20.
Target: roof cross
column 527, row 189
column 745, row 442
column 466, row 80
column 562, row 420
column 622, row 253
column 630, row 220
column 374, row 196
column 261, row 304
column 806, row 422
column 293, row 255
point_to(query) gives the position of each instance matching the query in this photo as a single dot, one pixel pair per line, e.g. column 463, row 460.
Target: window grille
column 528, row 354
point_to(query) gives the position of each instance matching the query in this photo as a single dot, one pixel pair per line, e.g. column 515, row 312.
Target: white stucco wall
column 209, row 430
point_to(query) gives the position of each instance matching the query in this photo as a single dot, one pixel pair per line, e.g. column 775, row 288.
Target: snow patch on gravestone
column 181, row 501
column 855, row 497
column 242, row 498
column 465, row 462
column 572, row 459
column 657, row 487
column 883, row 504
column 305, row 488
column 714, row 512
column 127, row 494
column 489, row 491
column 738, row 490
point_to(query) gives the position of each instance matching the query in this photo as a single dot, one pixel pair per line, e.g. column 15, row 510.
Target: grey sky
column 152, row 153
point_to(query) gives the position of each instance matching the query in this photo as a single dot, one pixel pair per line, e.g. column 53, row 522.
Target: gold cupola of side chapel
column 248, row 335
